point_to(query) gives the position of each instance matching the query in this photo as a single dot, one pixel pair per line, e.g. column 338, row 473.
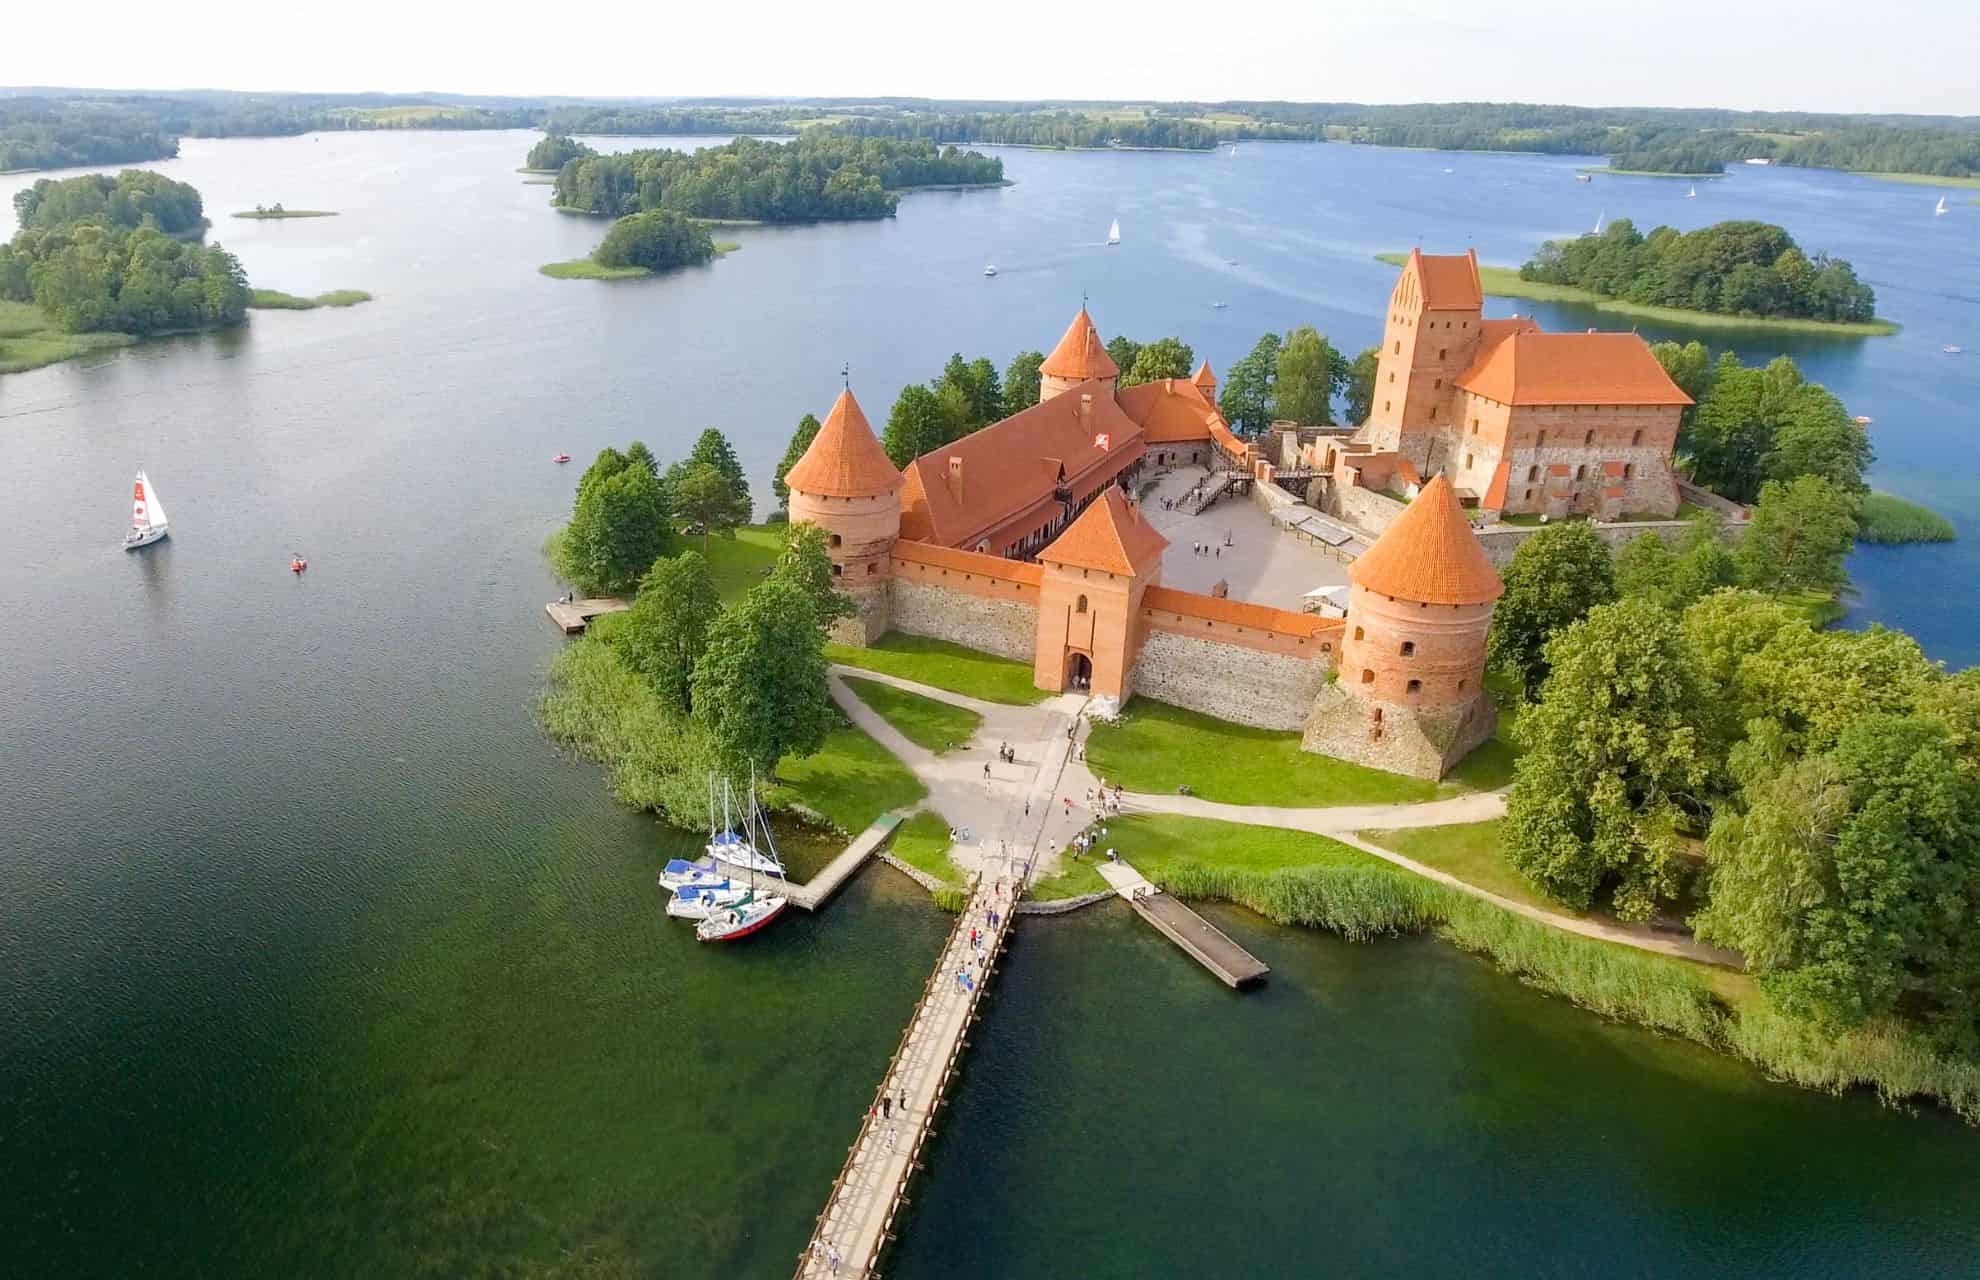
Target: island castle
column 1020, row 539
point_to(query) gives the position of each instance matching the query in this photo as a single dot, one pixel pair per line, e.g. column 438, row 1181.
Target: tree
column 1647, row 567
column 1361, row 386
column 706, row 498
column 618, row 527
column 1246, row 399
column 1800, row 533
column 662, row 635
column 759, row 688
column 914, row 427
column 1308, row 370
column 1690, row 366
column 978, row 385
column 713, row 448
column 1123, row 352
column 1615, row 766
column 1814, row 435
column 806, row 564
column 1555, row 578
column 807, row 431
column 1021, row 382
column 657, row 240
column 955, row 414
column 1162, row 358
column 1754, row 425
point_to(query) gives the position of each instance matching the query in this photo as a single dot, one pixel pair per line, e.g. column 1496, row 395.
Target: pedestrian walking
column 886, row 1107
column 903, row 1101
column 986, row 771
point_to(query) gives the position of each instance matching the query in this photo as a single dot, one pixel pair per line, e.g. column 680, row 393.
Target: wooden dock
column 1211, row 946
column 812, row 894
column 573, row 616
column 858, row 1219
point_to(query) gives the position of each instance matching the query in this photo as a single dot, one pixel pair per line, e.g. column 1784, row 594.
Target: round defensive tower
column 1409, row 691
column 846, row 485
column 1079, row 357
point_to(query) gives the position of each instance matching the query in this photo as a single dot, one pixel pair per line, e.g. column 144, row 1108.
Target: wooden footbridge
column 871, row 1190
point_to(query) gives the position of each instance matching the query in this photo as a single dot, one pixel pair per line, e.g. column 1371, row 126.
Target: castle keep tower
column 1409, row 692
column 1079, row 356
column 846, row 485
column 1206, row 382
column 1434, row 324
column 1090, row 596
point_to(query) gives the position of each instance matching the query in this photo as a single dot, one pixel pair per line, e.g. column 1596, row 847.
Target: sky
column 1816, row 55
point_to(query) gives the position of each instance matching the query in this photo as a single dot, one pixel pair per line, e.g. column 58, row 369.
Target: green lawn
column 276, row 300
column 923, row 843
column 1821, row 608
column 1155, row 843
column 945, row 666
column 741, row 562
column 928, row 724
column 851, row 780
column 1076, row 880
column 28, row 340
column 1505, row 282
column 1156, row 747
column 586, row 269
column 1471, row 852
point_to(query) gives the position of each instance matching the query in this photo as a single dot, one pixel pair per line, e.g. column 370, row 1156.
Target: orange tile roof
column 844, row 460
column 1011, row 468
column 1492, row 332
column 1080, row 354
column 1169, row 410
column 989, row 566
column 1495, row 490
column 1205, row 381
column 1536, row 368
column 1238, row 613
column 1449, row 280
column 1429, row 555
column 1111, row 535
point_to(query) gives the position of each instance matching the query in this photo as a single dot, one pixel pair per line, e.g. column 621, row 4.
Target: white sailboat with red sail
column 147, row 515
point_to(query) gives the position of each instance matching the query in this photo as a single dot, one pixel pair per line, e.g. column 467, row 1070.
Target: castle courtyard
column 1264, row 564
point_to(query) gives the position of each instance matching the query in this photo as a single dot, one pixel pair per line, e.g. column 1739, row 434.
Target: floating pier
column 812, row 894
column 573, row 616
column 1211, row 946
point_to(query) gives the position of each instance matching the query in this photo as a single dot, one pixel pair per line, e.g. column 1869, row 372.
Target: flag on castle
column 1103, row 442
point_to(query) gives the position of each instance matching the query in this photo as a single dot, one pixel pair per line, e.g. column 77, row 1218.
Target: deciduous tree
column 1021, row 382
column 1246, row 398
column 1800, row 533
column 759, row 688
column 807, row 565
column 807, row 431
column 704, row 497
column 664, row 632
column 1162, row 358
column 1361, row 386
column 1555, row 578
column 1309, row 370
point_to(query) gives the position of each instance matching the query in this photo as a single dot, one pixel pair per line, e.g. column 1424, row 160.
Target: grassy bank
column 1888, row 518
column 945, row 666
column 586, row 269
column 276, row 300
column 923, row 843
column 1471, row 852
column 1505, row 282
column 1920, row 179
column 849, row 781
column 264, row 215
column 29, row 340
column 1158, row 748
column 1369, row 899
column 928, row 724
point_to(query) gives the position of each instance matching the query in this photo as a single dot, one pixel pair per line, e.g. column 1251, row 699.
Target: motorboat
column 1863, row 419
column 1584, row 177
column 147, row 515
column 1951, row 350
column 562, row 457
column 989, row 271
column 1220, row 305
column 739, row 919
column 297, row 564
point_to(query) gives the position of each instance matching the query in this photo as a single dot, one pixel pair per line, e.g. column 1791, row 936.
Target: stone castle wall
column 1245, row 685
column 1423, row 742
column 1006, row 626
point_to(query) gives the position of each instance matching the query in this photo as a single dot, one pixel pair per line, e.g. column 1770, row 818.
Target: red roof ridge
column 1080, row 354
column 844, row 460
column 1111, row 535
column 1429, row 555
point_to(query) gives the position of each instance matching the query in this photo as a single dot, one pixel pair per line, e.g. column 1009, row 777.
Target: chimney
column 1086, row 409
column 955, row 477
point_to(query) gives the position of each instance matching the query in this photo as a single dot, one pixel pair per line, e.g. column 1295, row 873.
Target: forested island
column 821, row 176
column 640, row 244
column 1737, row 268
column 552, row 152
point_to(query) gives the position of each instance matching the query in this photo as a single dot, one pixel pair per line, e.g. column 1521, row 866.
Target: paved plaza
column 1264, row 564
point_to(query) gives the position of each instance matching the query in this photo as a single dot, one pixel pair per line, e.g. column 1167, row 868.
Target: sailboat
column 699, row 902
column 743, row 916
column 732, row 848
column 1692, row 194
column 147, row 515
column 1942, row 211
column 1114, row 231
column 1598, row 222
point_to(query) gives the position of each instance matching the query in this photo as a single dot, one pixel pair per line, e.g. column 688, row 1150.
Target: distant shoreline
column 1649, row 173
column 1505, row 282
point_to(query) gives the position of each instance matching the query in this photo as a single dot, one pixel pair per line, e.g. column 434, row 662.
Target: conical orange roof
column 1110, row 535
column 1080, row 354
column 844, row 460
column 1205, row 380
column 1429, row 555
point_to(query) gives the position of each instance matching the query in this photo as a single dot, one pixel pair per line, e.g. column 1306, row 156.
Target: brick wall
column 1005, row 624
column 1266, row 690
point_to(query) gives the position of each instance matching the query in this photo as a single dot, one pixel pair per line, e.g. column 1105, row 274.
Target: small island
column 277, row 211
column 640, row 244
column 276, row 300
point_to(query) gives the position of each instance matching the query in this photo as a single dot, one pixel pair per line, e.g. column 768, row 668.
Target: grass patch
column 1075, row 880
column 276, row 300
column 264, row 215
column 850, row 781
column 923, row 843
column 28, row 340
column 1158, row 748
column 586, row 269
column 928, row 724
column 1888, row 518
column 1505, row 282
column 743, row 561
column 1821, row 608
column 945, row 666
column 1471, row 851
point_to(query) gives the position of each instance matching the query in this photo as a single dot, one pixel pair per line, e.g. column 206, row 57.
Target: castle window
column 1541, row 441
column 1378, row 715
column 1437, row 384
column 1357, row 633
column 1474, row 426
column 1636, row 437
column 1460, row 686
column 1415, row 687
column 1532, row 474
column 1326, row 646
column 1433, row 413
column 1441, row 351
column 1409, row 649
column 1398, row 347
column 1629, row 471
column 1081, row 606
column 1467, row 462
column 1589, row 438
column 1367, row 675
column 1529, row 496
column 870, row 568
column 838, row 569
column 1392, row 375
column 1385, row 406
column 835, row 539
column 1581, row 472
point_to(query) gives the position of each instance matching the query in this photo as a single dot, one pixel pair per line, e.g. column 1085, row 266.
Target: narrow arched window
column 835, row 539
column 1367, row 676
column 1357, row 633
column 1636, row 437
column 1081, row 606
column 1581, row 472
column 1532, row 474
column 1409, row 648
column 1541, row 441
column 1415, row 687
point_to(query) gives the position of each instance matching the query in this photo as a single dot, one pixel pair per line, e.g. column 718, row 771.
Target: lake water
column 317, row 958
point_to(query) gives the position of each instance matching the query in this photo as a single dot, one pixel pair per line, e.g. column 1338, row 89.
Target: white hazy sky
column 1822, row 55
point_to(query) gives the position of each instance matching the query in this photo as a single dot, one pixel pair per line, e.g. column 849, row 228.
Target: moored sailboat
column 745, row 915
column 699, row 902
column 1114, row 232
column 147, row 515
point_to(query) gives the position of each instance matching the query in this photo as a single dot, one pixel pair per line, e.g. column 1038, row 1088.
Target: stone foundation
column 1244, row 685
column 874, row 619
column 1420, row 742
column 1007, row 628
